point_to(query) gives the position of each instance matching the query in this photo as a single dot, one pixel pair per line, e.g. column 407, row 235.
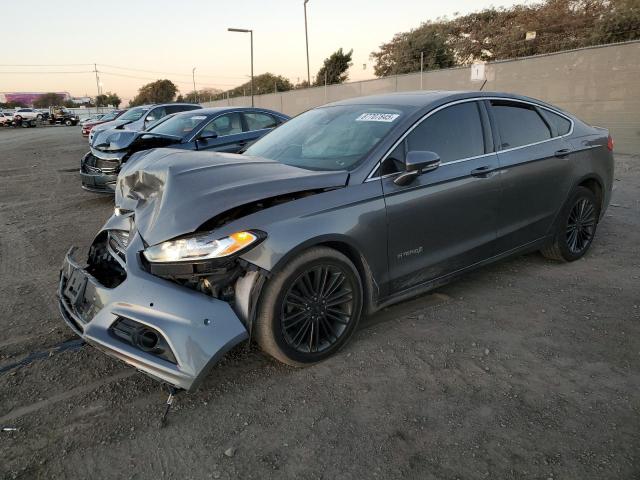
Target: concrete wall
column 601, row 85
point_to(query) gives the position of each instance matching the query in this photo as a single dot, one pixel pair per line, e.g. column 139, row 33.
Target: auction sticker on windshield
column 377, row 117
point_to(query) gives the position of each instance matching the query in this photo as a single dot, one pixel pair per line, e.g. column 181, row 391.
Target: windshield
column 329, row 138
column 179, row 125
column 109, row 116
column 134, row 114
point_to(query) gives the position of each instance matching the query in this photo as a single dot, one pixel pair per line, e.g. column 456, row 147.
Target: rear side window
column 519, row 124
column 181, row 108
column 453, row 133
column 259, row 121
column 229, row 124
column 561, row 125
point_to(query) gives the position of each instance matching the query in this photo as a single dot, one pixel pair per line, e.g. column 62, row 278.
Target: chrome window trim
column 370, row 177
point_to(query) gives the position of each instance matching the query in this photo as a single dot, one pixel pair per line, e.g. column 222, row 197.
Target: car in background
column 342, row 211
column 6, row 118
column 108, row 117
column 92, row 118
column 63, row 116
column 139, row 118
column 224, row 129
column 28, row 114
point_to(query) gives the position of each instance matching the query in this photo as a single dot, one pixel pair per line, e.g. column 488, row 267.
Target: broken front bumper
column 100, row 174
column 196, row 329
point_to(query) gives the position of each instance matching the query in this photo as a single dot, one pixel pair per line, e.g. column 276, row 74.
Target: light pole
column 195, row 93
column 306, row 35
column 244, row 30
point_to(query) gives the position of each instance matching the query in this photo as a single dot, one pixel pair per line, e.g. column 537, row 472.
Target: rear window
column 259, row 121
column 519, row 124
column 561, row 125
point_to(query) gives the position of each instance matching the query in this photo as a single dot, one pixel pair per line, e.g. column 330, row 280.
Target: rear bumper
column 198, row 329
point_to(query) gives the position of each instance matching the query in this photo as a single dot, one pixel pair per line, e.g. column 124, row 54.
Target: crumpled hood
column 173, row 192
column 114, row 139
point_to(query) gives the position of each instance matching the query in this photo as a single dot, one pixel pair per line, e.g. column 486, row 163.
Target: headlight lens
column 199, row 247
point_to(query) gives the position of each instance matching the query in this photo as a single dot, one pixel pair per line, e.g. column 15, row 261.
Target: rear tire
column 576, row 227
column 310, row 309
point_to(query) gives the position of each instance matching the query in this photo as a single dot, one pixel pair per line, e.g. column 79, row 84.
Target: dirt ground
column 525, row 369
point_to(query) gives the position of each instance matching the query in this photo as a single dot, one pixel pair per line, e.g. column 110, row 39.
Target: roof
column 213, row 110
column 423, row 98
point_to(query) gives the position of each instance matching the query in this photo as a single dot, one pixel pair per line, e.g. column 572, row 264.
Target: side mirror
column 417, row 163
column 150, row 119
column 208, row 135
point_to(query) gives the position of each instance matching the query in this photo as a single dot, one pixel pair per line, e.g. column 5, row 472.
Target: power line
column 104, row 72
column 46, row 65
column 163, row 73
column 46, row 73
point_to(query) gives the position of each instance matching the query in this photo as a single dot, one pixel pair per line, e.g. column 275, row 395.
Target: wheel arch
column 595, row 184
column 349, row 249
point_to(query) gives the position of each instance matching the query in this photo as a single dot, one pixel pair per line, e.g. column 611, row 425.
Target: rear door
column 231, row 134
column 446, row 219
column 535, row 170
column 258, row 124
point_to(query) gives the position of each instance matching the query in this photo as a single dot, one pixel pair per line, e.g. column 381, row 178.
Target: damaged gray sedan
column 341, row 211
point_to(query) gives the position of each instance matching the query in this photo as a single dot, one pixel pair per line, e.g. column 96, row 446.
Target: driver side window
column 228, row 124
column 454, row 133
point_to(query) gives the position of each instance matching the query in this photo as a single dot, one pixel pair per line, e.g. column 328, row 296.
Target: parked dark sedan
column 217, row 129
column 343, row 210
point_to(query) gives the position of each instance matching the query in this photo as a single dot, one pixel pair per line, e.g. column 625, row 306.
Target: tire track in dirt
column 33, row 407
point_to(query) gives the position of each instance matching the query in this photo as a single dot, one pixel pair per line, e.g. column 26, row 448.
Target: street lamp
column 195, row 94
column 306, row 35
column 243, row 30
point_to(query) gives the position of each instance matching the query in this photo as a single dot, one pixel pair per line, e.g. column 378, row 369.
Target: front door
column 231, row 136
column 446, row 219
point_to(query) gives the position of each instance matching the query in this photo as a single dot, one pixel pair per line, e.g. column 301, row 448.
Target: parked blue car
column 228, row 129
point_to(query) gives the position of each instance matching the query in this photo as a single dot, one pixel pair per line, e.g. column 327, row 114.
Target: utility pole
column 95, row 69
column 306, row 35
column 195, row 93
column 421, row 68
column 244, row 30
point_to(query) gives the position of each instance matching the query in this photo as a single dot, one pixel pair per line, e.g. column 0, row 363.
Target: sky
column 134, row 42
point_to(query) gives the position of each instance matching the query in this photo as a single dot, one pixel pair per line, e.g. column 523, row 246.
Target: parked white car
column 28, row 114
column 6, row 118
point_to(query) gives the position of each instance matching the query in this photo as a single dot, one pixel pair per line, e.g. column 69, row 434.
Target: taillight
column 610, row 143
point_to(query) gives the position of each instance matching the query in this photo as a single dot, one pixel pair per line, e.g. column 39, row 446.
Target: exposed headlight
column 200, row 247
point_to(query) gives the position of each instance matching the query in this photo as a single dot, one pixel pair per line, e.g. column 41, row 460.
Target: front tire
column 310, row 309
column 576, row 227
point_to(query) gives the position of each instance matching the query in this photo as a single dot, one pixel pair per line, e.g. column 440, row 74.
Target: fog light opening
column 147, row 340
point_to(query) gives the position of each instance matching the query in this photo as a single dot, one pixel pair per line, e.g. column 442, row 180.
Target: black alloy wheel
column 317, row 308
column 575, row 227
column 581, row 225
column 309, row 308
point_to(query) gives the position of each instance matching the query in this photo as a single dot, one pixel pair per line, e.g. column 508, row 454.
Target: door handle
column 562, row 153
column 482, row 172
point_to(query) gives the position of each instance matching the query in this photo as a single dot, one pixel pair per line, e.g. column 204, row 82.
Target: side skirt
column 444, row 279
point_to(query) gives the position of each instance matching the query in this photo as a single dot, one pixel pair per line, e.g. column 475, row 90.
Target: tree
column 48, row 100
column 501, row 33
column 12, row 105
column 403, row 53
column 160, row 91
column 204, row 95
column 264, row 83
column 335, row 68
column 107, row 99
